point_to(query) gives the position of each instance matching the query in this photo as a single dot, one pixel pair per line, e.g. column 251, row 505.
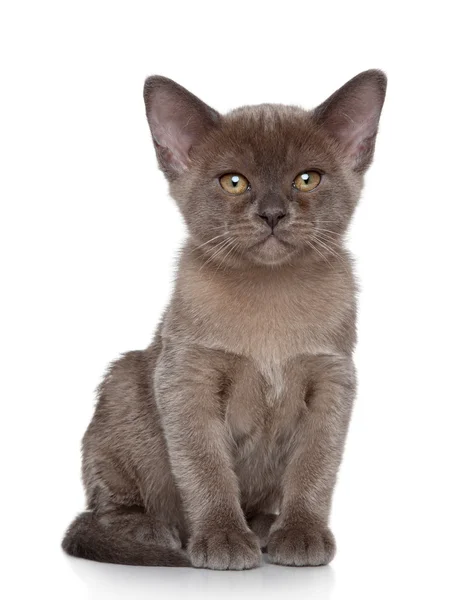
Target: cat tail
column 90, row 539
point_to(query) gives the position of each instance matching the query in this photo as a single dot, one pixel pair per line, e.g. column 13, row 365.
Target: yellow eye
column 307, row 181
column 234, row 183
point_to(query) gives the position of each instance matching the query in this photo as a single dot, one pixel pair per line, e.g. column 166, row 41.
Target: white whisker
column 209, row 241
column 217, row 250
column 329, row 250
column 222, row 260
column 313, row 247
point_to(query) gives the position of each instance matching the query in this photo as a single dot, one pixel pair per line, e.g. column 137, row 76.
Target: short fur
column 224, row 437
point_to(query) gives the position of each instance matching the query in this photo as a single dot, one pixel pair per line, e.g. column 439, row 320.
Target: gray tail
column 90, row 539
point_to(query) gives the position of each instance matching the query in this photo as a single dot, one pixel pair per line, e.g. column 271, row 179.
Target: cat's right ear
column 178, row 121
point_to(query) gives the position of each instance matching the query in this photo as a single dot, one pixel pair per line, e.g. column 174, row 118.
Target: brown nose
column 272, row 216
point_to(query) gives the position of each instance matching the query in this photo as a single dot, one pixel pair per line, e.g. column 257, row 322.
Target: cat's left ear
column 351, row 115
column 178, row 121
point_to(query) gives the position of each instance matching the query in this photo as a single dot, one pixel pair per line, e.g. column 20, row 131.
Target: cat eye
column 234, row 183
column 307, row 181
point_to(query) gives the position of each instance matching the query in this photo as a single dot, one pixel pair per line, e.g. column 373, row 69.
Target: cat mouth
column 271, row 242
column 274, row 240
column 271, row 250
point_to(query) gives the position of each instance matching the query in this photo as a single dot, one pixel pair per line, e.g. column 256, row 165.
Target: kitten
column 224, row 437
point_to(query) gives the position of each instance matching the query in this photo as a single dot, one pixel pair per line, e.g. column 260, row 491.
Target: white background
column 89, row 237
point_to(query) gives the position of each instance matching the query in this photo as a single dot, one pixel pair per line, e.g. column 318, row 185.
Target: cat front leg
column 187, row 386
column 301, row 535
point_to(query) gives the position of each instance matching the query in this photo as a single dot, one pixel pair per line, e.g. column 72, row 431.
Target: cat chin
column 272, row 252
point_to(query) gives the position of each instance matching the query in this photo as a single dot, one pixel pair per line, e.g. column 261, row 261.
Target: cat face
column 266, row 184
column 274, row 155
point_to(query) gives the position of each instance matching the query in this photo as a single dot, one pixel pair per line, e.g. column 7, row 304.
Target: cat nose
column 272, row 216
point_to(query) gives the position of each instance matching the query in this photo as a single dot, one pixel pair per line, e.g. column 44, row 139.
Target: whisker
column 218, row 249
column 328, row 231
column 329, row 250
column 222, row 261
column 328, row 240
column 313, row 247
column 216, row 237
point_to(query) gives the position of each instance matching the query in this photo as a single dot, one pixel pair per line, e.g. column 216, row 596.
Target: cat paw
column 301, row 546
column 222, row 550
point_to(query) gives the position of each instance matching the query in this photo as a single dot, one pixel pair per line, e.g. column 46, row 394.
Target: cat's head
column 266, row 184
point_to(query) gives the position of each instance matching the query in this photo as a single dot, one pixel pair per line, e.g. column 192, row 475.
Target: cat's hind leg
column 134, row 512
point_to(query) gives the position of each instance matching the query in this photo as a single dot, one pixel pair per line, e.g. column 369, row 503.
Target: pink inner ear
column 352, row 114
column 178, row 121
column 357, row 121
column 355, row 139
column 175, row 149
column 169, row 133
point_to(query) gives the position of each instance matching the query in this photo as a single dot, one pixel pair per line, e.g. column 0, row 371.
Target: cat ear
column 178, row 121
column 351, row 115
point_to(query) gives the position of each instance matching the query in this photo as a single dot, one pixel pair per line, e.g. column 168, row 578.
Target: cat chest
column 265, row 406
column 268, row 337
column 269, row 322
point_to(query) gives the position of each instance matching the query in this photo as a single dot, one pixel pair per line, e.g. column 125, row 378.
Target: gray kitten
column 224, row 437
